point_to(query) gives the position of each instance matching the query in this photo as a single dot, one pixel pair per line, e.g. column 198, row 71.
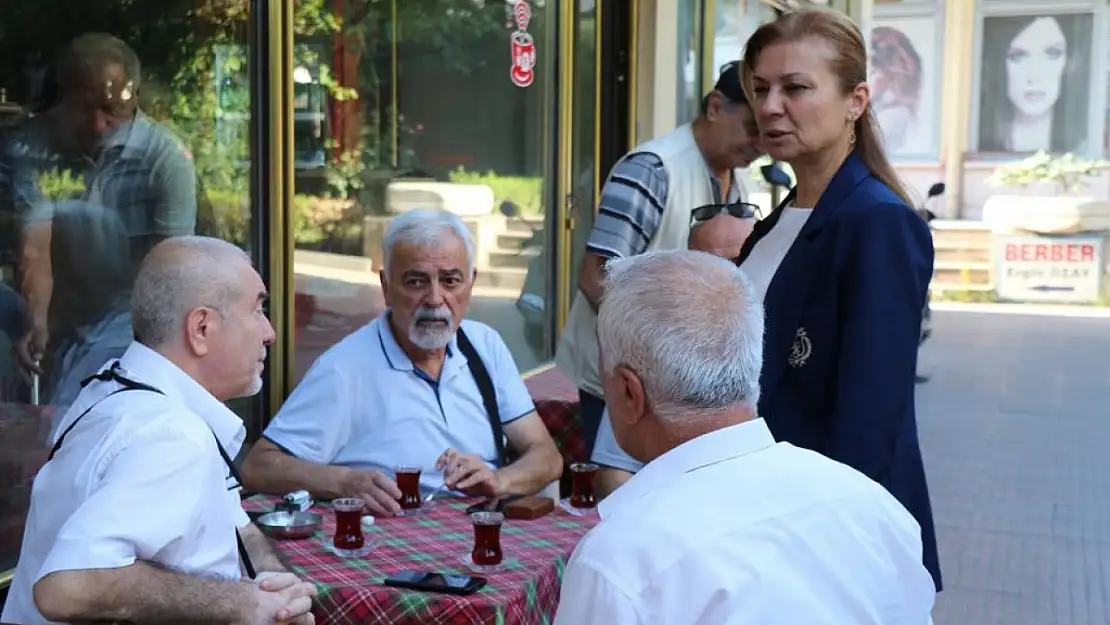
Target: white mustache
column 433, row 314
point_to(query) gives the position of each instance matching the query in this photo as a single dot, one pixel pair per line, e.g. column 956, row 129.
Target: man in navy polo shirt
column 401, row 391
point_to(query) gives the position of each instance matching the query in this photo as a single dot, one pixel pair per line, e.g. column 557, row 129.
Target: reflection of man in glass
column 91, row 296
column 92, row 137
column 896, row 77
column 1034, row 91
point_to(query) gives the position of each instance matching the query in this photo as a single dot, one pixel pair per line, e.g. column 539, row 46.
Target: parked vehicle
column 778, row 179
column 927, row 213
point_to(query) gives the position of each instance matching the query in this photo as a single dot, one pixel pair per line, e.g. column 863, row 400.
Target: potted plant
column 1047, row 195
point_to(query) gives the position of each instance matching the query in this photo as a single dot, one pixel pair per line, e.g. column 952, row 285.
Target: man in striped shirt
column 643, row 206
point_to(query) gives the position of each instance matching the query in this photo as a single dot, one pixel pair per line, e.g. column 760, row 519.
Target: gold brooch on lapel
column 801, row 349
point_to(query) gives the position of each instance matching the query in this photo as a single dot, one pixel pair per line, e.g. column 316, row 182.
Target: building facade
column 306, row 124
column 296, row 129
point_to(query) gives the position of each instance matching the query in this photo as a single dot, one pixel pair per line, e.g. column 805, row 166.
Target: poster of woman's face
column 902, row 76
column 1035, row 83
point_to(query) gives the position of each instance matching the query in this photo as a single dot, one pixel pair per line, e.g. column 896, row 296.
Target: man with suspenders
column 135, row 515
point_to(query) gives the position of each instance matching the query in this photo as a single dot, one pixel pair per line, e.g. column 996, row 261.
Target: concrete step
column 505, row 259
column 962, row 255
column 504, row 278
column 961, row 233
column 524, row 225
column 513, row 239
column 962, row 273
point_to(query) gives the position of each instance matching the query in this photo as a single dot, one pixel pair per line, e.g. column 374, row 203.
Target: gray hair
column 690, row 325
column 425, row 227
column 179, row 275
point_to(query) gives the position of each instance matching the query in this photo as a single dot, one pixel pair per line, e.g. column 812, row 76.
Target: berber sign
column 1036, row 268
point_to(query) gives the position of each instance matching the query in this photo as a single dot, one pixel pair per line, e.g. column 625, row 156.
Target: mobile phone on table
column 436, row 582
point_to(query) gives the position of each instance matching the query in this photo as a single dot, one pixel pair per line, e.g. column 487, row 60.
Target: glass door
column 109, row 143
column 398, row 105
column 585, row 120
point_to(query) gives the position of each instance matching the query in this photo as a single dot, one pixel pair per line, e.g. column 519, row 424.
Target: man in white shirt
column 724, row 526
column 407, row 390
column 136, row 514
column 721, row 231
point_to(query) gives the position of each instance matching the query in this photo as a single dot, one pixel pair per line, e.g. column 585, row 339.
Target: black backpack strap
column 485, row 388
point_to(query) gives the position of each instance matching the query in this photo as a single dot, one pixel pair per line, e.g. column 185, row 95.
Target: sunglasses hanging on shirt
column 739, row 210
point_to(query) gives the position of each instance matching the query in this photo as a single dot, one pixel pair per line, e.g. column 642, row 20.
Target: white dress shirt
column 138, row 478
column 732, row 528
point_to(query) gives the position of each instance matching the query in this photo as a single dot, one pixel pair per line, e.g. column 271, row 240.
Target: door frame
column 614, row 122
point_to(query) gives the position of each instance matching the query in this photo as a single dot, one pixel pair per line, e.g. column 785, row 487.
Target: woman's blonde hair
column 849, row 63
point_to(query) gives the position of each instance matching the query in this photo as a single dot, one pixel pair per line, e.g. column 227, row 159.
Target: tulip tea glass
column 487, row 538
column 349, row 540
column 582, row 485
column 408, row 482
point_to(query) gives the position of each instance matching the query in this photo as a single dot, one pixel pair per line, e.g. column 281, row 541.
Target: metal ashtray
column 287, row 525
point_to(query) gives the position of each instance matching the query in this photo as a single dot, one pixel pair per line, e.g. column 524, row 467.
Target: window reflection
column 410, row 107
column 115, row 133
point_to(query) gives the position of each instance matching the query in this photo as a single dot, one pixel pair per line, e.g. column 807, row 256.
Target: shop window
column 1034, row 82
column 736, row 20
column 402, row 106
column 180, row 95
column 689, row 88
column 906, row 52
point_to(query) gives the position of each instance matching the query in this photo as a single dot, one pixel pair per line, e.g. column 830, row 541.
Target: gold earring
column 851, row 137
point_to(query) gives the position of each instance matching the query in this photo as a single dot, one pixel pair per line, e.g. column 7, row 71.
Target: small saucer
column 367, row 547
column 422, row 510
column 465, row 560
column 565, row 505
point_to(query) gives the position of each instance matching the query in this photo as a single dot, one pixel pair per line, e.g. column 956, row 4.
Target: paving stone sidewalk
column 1015, row 428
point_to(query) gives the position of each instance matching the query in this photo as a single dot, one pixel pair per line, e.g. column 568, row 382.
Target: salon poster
column 1035, row 83
column 905, row 93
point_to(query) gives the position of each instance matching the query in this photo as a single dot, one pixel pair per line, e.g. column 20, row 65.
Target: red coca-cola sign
column 523, row 57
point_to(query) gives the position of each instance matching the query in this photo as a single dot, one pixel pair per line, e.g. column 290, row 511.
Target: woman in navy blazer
column 844, row 263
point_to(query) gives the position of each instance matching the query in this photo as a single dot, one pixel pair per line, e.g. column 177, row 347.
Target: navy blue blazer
column 843, row 318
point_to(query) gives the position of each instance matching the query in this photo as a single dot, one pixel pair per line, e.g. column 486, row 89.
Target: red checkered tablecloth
column 351, row 589
column 556, row 400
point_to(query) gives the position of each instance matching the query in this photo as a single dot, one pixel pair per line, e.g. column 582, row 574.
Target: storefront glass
column 121, row 123
column 448, row 104
column 736, row 20
column 905, row 48
column 582, row 206
column 690, row 19
column 1034, row 87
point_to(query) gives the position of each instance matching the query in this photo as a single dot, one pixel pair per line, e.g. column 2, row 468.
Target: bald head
column 723, row 236
column 179, row 275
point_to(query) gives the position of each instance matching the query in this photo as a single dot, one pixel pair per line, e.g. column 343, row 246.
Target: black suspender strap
column 489, row 395
column 112, row 374
column 103, row 376
column 243, row 555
